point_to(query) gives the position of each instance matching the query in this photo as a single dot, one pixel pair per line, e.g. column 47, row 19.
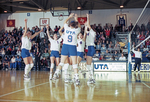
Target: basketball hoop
column 60, row 17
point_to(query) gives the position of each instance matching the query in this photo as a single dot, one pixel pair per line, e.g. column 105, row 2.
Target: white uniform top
column 55, row 44
column 81, row 45
column 90, row 37
column 137, row 54
column 13, row 60
column 26, row 43
column 122, row 58
column 70, row 35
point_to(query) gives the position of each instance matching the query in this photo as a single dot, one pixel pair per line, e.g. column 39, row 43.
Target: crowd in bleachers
column 106, row 45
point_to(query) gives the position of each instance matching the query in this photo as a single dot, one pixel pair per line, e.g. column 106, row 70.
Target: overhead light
column 5, row 11
column 39, row 9
column 78, row 7
column 121, row 6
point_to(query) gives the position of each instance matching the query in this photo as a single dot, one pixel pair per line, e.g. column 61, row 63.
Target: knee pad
column 27, row 66
column 52, row 65
column 66, row 66
column 75, row 66
column 61, row 64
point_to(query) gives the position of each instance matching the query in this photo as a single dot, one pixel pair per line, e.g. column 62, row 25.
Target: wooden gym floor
column 109, row 87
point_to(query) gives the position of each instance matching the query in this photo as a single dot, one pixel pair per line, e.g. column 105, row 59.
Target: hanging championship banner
column 121, row 19
column 11, row 23
column 82, row 20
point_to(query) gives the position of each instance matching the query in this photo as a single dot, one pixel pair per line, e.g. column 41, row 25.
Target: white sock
column 26, row 70
column 76, row 76
column 57, row 71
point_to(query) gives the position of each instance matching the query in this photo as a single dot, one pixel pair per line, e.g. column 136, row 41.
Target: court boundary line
column 145, row 84
column 22, row 89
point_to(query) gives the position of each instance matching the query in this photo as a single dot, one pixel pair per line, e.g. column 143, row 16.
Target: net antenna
column 129, row 43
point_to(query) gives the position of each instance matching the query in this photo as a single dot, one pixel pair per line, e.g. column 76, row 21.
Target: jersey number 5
column 69, row 38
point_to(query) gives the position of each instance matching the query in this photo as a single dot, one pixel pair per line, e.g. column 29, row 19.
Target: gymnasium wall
column 97, row 16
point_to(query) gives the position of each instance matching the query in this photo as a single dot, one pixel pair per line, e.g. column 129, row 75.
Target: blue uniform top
column 18, row 59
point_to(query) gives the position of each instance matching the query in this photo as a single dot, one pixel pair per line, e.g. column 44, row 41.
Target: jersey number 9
column 69, row 38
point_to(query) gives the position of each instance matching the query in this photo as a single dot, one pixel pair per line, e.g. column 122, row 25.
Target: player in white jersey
column 69, row 46
column 91, row 50
column 80, row 48
column 55, row 47
column 26, row 46
column 138, row 58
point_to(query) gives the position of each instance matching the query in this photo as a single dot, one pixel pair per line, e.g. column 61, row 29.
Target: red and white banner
column 44, row 21
column 82, row 20
column 11, row 23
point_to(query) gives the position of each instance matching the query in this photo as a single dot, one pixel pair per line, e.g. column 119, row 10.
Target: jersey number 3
column 69, row 38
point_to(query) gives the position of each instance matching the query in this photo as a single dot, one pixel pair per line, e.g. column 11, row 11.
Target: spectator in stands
column 45, row 54
column 110, row 49
column 101, row 57
column 97, row 54
column 107, row 43
column 102, row 37
column 147, row 42
column 111, row 44
column 13, row 52
column 107, row 39
column 107, row 32
column 6, row 62
column 98, row 46
column 142, row 36
column 103, row 43
column 147, row 33
column 122, row 58
column 42, row 35
column 116, row 48
column 116, row 55
column 145, row 49
column 56, row 29
column 103, row 49
column 18, row 64
column 3, row 52
column 107, row 55
column 44, row 62
column 148, row 25
column 8, row 52
column 18, row 52
column 37, row 59
column 12, row 63
column 130, row 27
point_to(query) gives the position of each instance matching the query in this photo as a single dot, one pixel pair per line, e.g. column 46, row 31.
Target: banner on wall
column 82, row 20
column 11, row 23
column 121, row 19
column 144, row 66
column 109, row 66
column 44, row 21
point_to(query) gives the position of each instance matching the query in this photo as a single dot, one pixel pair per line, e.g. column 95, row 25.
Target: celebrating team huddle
column 71, row 53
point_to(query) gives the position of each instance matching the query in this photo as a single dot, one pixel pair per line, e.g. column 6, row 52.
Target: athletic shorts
column 91, row 51
column 69, row 50
column 25, row 53
column 80, row 54
column 54, row 54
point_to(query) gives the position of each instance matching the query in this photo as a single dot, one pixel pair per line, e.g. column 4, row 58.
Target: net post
column 129, row 54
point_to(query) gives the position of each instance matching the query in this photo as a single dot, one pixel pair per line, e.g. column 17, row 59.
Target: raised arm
column 85, row 33
column 36, row 33
column 60, row 30
column 76, row 19
column 70, row 16
column 48, row 32
column 24, row 34
column 88, row 21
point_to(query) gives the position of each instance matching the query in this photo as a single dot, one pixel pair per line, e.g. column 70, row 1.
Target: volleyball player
column 68, row 62
column 91, row 50
column 26, row 46
column 55, row 47
column 69, row 46
column 80, row 48
column 138, row 58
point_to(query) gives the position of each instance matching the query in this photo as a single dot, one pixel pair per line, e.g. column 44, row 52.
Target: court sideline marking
column 22, row 89
column 146, row 85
